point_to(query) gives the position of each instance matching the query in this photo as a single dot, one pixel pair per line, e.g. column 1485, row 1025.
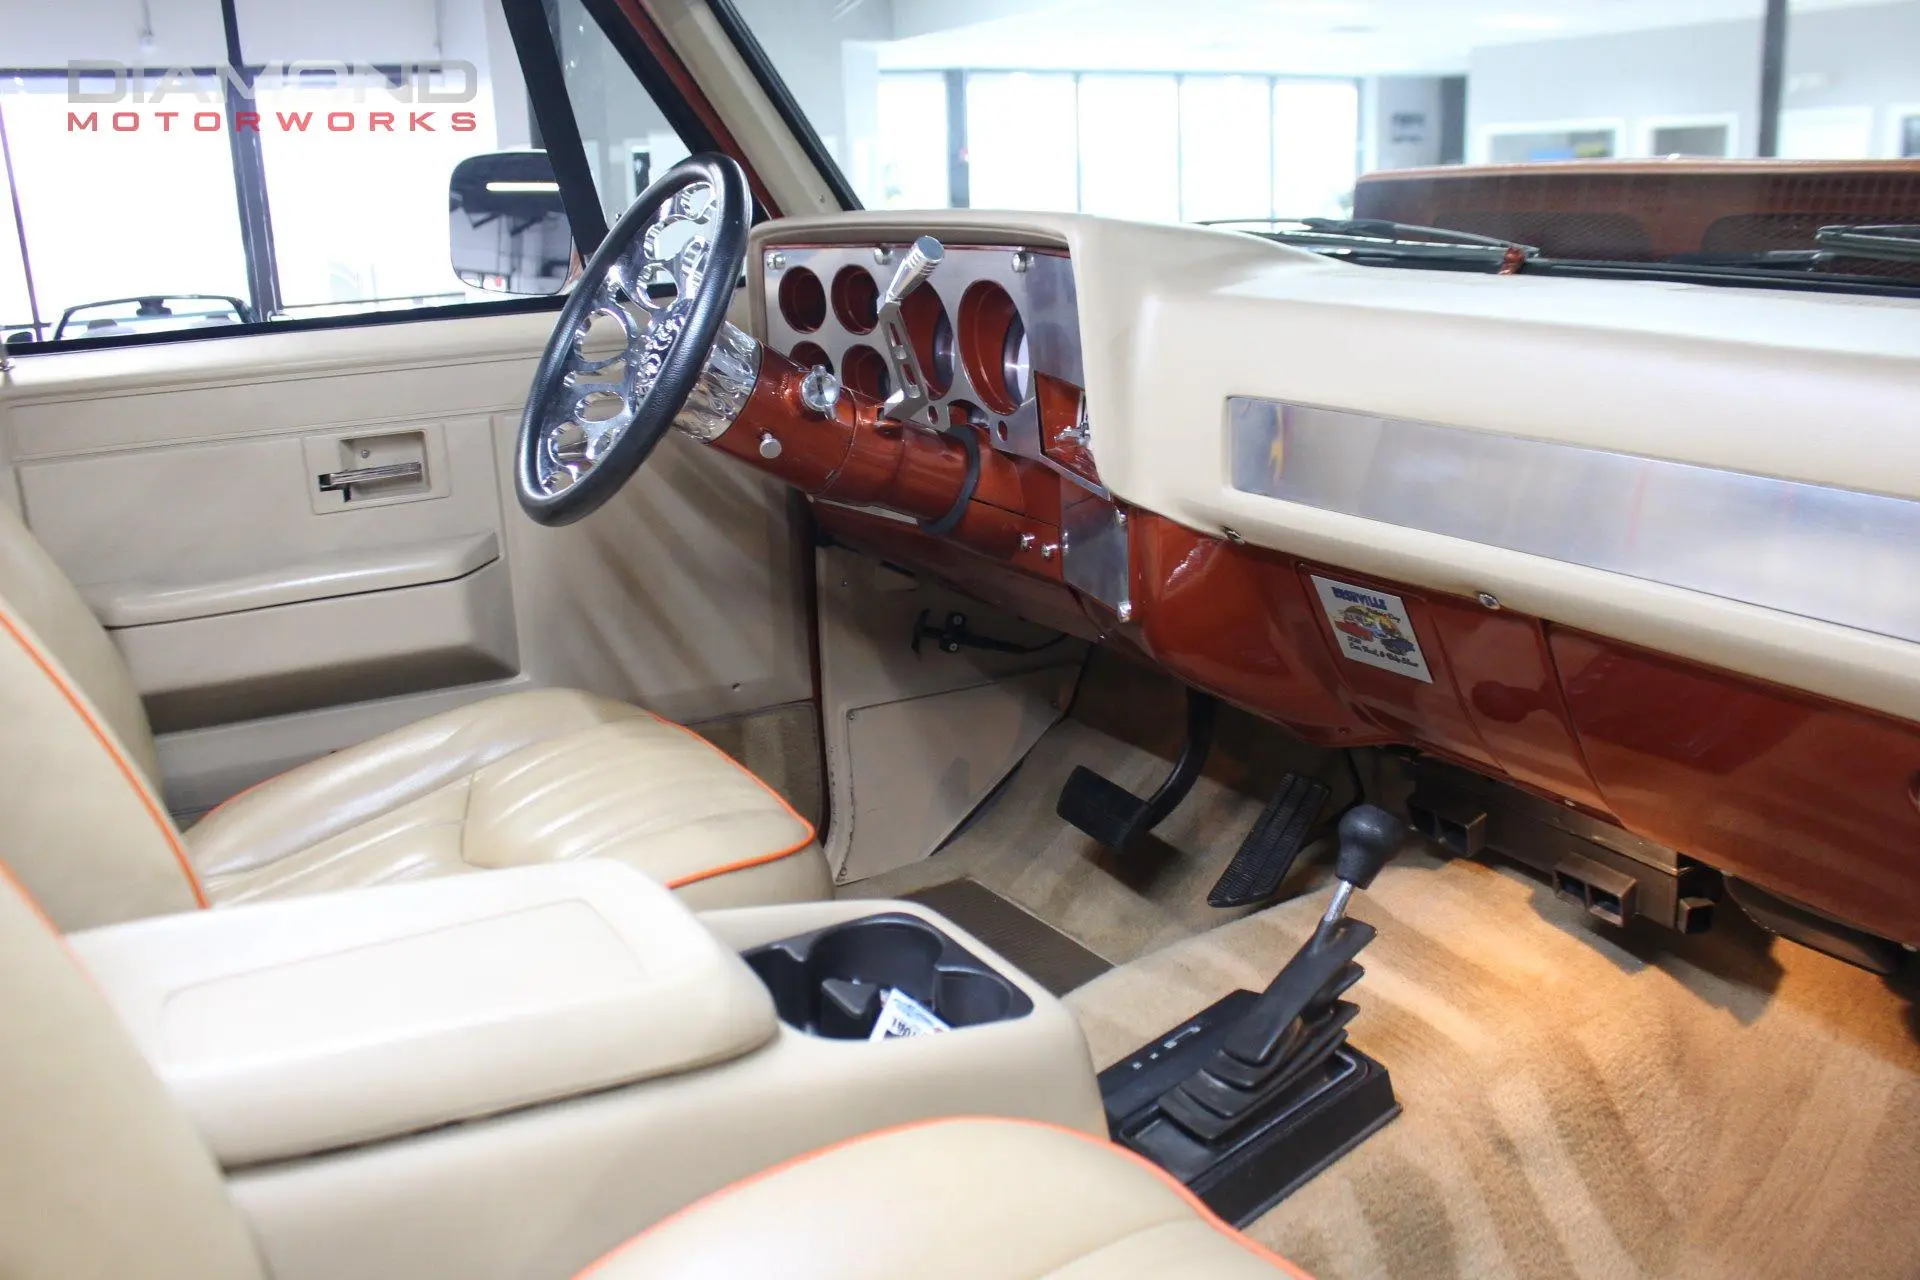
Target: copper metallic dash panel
column 1836, row 555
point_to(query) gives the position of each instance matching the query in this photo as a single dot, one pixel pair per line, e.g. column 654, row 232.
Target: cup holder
column 831, row 982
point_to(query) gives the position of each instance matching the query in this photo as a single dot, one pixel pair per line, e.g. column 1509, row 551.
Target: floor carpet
column 1127, row 724
column 1579, row 1101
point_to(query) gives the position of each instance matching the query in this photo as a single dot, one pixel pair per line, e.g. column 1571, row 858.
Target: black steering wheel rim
column 667, row 345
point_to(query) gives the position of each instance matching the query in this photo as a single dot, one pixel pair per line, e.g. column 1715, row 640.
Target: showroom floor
column 1578, row 1101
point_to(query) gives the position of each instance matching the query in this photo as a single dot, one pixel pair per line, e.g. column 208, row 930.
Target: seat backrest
column 81, row 823
column 37, row 593
column 101, row 1175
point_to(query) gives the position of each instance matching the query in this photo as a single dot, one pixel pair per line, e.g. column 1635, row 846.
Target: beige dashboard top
column 1821, row 388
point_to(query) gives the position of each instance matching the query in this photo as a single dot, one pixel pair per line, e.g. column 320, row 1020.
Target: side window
column 627, row 138
column 112, row 207
column 265, row 161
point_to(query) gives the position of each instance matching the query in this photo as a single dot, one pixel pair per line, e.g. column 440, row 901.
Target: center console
column 507, row 1074
column 840, row 981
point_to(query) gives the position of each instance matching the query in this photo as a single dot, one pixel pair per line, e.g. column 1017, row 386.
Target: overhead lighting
column 522, row 188
column 1523, row 21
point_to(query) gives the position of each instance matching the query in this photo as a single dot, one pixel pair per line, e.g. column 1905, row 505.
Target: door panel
column 268, row 619
column 317, row 653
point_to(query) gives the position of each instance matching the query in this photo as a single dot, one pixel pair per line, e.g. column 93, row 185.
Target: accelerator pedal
column 1115, row 816
column 1268, row 852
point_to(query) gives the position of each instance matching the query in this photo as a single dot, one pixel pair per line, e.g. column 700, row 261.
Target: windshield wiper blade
column 1380, row 229
column 1369, row 236
column 1885, row 242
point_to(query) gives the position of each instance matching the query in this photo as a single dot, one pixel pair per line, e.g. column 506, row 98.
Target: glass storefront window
column 1130, row 147
column 1226, row 157
column 1022, row 141
column 1315, row 124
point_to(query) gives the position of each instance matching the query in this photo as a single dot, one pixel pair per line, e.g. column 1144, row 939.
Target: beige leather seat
column 102, row 1176
column 529, row 777
column 972, row 1198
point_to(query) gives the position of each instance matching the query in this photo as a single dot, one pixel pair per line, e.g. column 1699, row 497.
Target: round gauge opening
column 993, row 347
column 807, row 355
column 931, row 333
column 856, row 299
column 864, row 371
column 965, row 413
column 1016, row 366
column 802, row 300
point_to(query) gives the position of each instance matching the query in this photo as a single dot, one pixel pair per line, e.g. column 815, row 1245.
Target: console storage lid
column 296, row 1026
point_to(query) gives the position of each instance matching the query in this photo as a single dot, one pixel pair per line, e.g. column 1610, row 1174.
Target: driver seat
column 523, row 778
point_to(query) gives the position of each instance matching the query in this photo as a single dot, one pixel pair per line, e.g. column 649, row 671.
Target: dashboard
column 996, row 330
column 1569, row 535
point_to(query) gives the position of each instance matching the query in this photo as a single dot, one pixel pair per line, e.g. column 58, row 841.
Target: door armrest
column 414, row 564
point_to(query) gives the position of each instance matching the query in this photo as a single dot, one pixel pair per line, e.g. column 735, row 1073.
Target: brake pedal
column 1100, row 807
column 1112, row 814
column 1269, row 851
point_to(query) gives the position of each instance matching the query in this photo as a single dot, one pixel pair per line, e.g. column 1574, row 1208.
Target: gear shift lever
column 1369, row 835
column 1257, row 1093
column 1299, row 1020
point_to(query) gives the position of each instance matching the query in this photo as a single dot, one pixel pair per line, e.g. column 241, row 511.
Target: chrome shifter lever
column 912, row 398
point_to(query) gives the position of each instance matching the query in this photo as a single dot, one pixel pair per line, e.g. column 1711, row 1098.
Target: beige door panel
column 211, row 511
column 268, row 618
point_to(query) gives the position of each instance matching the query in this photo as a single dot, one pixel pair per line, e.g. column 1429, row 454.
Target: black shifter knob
column 1369, row 835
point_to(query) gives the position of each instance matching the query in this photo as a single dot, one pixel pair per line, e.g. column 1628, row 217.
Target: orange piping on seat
column 40, row 914
column 236, row 795
column 33, row 903
column 114, row 753
column 1193, row 1202
column 759, row 859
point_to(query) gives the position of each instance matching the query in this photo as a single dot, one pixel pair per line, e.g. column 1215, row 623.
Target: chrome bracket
column 1093, row 553
column 912, row 397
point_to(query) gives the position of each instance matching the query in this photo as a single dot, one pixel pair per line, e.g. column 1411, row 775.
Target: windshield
column 1616, row 133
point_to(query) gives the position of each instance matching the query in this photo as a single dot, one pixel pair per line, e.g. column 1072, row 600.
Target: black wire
column 1044, row 644
column 1359, row 784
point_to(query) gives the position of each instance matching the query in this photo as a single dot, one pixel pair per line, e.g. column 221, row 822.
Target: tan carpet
column 1121, row 906
column 781, row 745
column 1579, row 1104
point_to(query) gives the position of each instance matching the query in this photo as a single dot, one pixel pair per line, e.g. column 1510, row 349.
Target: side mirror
column 508, row 230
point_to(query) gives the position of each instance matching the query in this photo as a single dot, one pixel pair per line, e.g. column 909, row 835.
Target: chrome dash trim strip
column 1836, row 555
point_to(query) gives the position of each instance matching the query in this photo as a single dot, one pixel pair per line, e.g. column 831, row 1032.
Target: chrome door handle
column 367, row 475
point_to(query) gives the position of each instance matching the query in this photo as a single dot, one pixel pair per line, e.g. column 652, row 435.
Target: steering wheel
column 665, row 275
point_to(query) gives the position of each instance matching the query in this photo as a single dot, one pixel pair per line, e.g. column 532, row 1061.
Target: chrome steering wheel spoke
column 642, row 346
column 649, row 293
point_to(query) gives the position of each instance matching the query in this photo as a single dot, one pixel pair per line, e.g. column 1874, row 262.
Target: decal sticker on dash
column 1372, row 627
